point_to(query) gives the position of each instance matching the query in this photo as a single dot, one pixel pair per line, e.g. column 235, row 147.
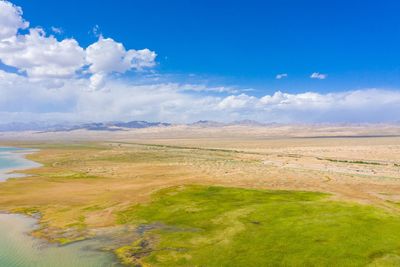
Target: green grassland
column 220, row 226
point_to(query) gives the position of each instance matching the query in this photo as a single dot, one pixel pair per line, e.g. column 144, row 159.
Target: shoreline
column 40, row 250
column 18, row 245
column 17, row 157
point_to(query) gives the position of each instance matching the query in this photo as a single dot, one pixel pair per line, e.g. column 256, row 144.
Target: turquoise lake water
column 19, row 249
column 12, row 158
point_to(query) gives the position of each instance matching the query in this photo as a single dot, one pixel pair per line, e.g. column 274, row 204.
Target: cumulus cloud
column 319, row 76
column 97, row 81
column 368, row 105
column 107, row 56
column 10, row 20
column 42, row 61
column 238, row 102
column 43, row 57
column 281, row 76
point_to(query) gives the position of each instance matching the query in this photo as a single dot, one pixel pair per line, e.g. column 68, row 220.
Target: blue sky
column 247, row 43
column 225, row 55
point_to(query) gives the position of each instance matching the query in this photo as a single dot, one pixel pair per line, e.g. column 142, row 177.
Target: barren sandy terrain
column 355, row 162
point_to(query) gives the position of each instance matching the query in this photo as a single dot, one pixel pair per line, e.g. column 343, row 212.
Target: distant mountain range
column 124, row 126
column 95, row 126
column 111, row 126
column 219, row 124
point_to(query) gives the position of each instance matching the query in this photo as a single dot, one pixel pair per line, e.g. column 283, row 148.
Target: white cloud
column 45, row 58
column 167, row 102
column 108, row 56
column 236, row 102
column 281, row 76
column 10, row 20
column 97, row 81
column 319, row 76
column 96, row 31
column 42, row 62
column 204, row 88
column 42, row 56
column 57, row 30
column 368, row 105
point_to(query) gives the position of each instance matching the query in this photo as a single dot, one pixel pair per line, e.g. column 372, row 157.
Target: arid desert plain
column 216, row 196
